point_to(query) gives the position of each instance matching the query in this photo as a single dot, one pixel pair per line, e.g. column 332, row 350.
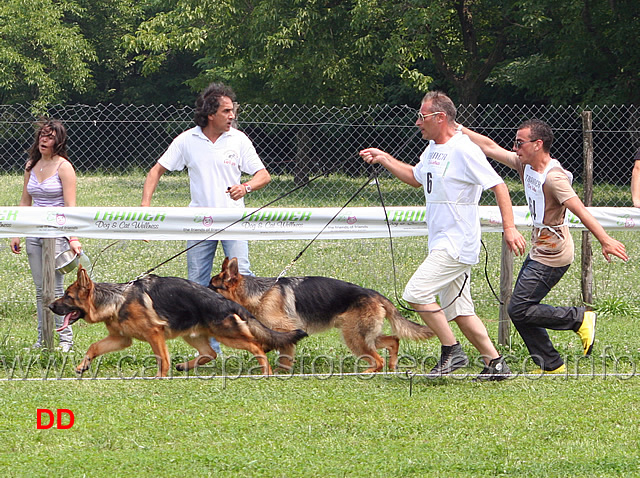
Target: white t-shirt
column 213, row 167
column 453, row 176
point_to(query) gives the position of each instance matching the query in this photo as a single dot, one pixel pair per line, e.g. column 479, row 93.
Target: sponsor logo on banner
column 404, row 216
column 57, row 221
column 8, row 215
column 128, row 220
column 278, row 215
column 204, row 224
column 270, row 219
column 626, row 221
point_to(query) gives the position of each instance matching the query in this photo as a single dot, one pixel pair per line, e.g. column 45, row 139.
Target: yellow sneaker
column 559, row 370
column 587, row 331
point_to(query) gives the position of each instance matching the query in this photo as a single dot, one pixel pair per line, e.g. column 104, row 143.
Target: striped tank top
column 48, row 193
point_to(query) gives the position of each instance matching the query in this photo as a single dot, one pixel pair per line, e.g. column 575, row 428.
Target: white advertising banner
column 157, row 223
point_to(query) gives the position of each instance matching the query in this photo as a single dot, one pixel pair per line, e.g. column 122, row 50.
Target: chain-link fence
column 300, row 141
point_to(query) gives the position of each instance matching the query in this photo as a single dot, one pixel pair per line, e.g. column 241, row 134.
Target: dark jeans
column 531, row 318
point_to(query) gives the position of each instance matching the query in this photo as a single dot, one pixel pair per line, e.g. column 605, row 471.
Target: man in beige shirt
column 549, row 195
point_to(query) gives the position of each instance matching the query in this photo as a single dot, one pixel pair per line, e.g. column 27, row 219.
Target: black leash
column 486, row 272
column 95, row 261
column 282, row 196
column 353, row 196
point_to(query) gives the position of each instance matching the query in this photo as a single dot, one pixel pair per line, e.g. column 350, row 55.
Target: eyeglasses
column 422, row 117
column 517, row 144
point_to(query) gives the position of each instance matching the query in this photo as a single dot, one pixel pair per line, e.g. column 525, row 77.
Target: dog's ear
column 232, row 268
column 225, row 264
column 83, row 278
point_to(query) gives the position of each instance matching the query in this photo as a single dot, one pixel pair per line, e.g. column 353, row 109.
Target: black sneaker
column 495, row 371
column 452, row 358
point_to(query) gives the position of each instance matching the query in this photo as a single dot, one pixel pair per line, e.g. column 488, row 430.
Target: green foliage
column 319, row 52
column 326, row 53
column 116, row 77
column 464, row 40
column 44, row 58
column 276, row 50
column 579, row 52
column 616, row 307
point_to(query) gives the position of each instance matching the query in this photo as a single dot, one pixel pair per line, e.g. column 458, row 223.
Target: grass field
column 224, row 421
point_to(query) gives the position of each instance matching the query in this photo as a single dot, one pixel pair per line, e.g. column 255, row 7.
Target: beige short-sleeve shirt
column 553, row 245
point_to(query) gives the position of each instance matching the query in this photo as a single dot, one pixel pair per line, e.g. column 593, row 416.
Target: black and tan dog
column 155, row 308
column 315, row 304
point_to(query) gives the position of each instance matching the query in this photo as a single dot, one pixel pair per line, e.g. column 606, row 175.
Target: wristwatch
column 247, row 186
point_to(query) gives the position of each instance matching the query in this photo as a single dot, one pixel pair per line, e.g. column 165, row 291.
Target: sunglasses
column 422, row 117
column 517, row 144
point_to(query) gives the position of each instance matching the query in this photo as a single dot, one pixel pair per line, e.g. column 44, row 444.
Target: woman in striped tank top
column 49, row 181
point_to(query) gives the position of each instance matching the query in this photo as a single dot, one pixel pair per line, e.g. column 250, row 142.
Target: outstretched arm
column 491, row 149
column 609, row 244
column 402, row 171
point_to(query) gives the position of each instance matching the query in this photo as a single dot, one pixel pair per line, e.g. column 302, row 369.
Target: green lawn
column 220, row 421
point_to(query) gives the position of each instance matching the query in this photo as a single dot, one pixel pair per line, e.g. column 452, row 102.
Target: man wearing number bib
column 453, row 172
column 549, row 196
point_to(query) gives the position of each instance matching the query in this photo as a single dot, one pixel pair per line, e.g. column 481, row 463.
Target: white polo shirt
column 213, row 167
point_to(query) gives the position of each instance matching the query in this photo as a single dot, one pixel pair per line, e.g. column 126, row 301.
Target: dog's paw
column 83, row 367
column 182, row 367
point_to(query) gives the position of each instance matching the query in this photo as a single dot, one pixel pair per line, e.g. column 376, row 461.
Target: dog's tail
column 404, row 328
column 272, row 339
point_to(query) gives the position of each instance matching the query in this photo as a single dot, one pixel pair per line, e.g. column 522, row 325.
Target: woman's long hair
column 48, row 126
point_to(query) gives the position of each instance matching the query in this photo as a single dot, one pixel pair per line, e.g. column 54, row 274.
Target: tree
column 336, row 52
column 289, row 51
column 333, row 51
column 586, row 52
column 463, row 41
column 117, row 78
column 44, row 59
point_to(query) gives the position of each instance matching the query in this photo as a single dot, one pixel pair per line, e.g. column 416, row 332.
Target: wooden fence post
column 506, row 284
column 587, row 253
column 48, row 289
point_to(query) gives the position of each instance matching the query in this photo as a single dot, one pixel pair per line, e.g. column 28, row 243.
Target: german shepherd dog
column 155, row 308
column 315, row 304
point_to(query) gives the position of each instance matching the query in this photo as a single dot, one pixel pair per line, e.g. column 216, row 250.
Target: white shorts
column 442, row 275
